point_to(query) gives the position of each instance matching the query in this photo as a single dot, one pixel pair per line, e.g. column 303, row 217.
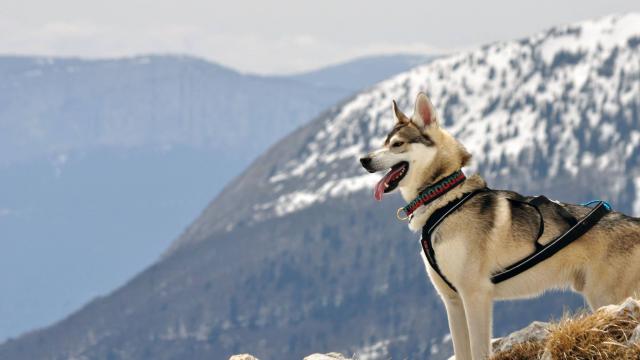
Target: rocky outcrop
column 329, row 356
column 537, row 331
column 243, row 357
column 612, row 332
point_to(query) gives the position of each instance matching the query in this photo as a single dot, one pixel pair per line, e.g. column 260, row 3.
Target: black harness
column 541, row 252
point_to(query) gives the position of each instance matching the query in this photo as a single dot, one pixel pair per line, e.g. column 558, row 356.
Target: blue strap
column 606, row 204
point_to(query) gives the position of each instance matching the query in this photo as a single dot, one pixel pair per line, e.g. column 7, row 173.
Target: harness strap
column 577, row 230
column 434, row 220
column 541, row 253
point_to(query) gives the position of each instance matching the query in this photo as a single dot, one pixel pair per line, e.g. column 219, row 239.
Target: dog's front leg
column 455, row 314
column 458, row 326
column 478, row 306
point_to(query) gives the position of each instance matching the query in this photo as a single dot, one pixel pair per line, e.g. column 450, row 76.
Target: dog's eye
column 397, row 144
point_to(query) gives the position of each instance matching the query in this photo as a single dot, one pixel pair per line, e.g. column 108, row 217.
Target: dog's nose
column 366, row 162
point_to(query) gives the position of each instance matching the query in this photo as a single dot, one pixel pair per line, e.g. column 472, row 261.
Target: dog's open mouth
column 391, row 180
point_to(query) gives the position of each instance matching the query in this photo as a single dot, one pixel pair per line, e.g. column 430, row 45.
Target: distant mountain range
column 104, row 162
column 294, row 256
column 53, row 106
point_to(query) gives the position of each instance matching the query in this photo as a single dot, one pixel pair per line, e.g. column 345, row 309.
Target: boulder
column 329, row 356
column 243, row 357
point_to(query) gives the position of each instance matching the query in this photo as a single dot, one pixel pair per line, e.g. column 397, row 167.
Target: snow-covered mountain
column 295, row 256
column 559, row 110
column 558, row 104
column 52, row 106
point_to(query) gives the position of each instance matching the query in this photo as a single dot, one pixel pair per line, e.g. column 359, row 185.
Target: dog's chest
column 450, row 255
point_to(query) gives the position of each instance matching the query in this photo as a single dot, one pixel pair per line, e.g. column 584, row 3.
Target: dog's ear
column 399, row 115
column 424, row 115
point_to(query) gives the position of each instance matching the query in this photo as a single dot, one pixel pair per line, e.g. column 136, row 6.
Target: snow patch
column 298, row 200
column 378, row 350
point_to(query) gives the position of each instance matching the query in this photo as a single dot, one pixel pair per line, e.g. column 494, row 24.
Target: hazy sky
column 278, row 36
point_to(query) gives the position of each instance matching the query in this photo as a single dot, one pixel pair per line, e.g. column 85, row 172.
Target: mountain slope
column 295, row 257
column 105, row 158
column 101, row 163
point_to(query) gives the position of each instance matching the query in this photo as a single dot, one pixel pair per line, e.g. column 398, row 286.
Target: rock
column 629, row 307
column 329, row 356
column 536, row 331
column 585, row 336
column 243, row 357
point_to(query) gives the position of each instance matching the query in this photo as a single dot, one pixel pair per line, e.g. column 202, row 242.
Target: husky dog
column 493, row 230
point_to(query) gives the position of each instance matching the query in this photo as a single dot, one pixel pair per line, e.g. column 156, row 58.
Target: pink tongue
column 380, row 186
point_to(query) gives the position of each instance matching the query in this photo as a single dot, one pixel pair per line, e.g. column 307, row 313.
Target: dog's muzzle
column 366, row 163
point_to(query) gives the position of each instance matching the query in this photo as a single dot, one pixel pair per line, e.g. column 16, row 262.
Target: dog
column 493, row 230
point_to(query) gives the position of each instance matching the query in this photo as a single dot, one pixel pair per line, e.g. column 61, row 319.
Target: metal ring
column 399, row 216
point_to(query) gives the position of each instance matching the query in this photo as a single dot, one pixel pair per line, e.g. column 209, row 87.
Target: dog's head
column 417, row 151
